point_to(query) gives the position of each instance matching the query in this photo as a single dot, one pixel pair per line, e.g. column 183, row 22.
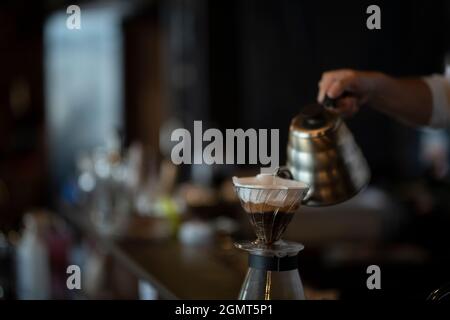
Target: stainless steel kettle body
column 323, row 153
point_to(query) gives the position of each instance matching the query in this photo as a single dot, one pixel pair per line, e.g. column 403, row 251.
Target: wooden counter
column 176, row 271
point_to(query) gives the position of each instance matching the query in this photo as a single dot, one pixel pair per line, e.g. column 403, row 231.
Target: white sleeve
column 440, row 91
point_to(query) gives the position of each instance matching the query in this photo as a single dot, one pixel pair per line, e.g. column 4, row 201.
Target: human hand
column 358, row 84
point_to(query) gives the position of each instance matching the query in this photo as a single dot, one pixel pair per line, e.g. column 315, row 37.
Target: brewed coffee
column 269, row 222
column 269, row 226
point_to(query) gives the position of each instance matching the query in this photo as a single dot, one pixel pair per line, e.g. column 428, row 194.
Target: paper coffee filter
column 270, row 190
column 268, row 181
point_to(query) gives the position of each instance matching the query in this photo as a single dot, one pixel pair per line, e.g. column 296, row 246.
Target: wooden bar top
column 175, row 270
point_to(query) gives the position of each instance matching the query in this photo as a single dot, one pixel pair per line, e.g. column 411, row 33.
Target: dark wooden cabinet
column 23, row 178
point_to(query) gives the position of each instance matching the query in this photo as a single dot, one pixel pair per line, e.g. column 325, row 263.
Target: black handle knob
column 331, row 103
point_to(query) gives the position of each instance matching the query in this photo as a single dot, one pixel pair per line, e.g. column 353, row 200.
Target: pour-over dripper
column 270, row 202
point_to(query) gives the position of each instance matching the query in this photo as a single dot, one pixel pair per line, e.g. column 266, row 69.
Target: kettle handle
column 330, row 103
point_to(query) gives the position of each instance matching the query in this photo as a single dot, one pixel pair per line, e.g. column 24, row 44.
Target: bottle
column 5, row 269
column 32, row 263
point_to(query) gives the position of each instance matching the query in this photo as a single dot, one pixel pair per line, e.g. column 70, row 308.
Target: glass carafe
column 272, row 273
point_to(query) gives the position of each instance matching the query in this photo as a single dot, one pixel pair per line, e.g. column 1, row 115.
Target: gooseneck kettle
column 323, row 153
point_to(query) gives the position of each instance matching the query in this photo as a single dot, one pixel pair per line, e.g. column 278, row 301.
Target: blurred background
column 85, row 123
